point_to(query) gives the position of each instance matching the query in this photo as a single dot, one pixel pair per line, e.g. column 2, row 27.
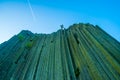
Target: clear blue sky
column 45, row 16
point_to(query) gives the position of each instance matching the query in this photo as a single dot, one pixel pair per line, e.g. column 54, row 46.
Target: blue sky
column 45, row 16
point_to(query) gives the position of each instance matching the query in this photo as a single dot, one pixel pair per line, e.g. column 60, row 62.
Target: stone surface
column 81, row 52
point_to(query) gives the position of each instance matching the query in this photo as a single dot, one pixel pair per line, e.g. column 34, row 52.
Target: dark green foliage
column 77, row 72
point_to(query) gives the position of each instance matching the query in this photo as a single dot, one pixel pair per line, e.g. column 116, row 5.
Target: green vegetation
column 21, row 37
column 29, row 44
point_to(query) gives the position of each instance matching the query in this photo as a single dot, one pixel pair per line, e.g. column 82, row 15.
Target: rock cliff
column 81, row 52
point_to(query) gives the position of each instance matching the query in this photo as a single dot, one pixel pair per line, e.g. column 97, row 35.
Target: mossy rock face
column 21, row 37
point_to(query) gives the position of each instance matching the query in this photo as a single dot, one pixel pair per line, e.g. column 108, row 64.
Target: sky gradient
column 45, row 16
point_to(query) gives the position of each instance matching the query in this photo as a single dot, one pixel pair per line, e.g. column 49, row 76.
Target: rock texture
column 81, row 52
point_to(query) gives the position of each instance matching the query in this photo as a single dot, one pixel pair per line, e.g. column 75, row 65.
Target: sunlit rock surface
column 81, row 52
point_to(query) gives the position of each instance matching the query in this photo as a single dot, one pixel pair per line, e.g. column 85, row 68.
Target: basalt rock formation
column 81, row 52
